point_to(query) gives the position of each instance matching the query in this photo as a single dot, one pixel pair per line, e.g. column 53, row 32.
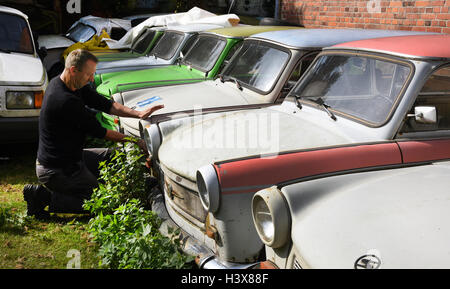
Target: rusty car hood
column 239, row 134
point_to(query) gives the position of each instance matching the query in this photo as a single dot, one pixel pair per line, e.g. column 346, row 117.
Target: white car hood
column 12, row 69
column 401, row 216
column 177, row 98
column 54, row 41
column 230, row 136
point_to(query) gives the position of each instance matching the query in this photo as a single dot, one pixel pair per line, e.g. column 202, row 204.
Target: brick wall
column 432, row 15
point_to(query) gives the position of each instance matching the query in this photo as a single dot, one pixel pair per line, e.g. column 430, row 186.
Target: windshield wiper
column 5, row 50
column 325, row 106
column 230, row 78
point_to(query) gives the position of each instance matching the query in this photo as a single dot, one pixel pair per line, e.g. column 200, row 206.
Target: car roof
column 412, row 46
column 193, row 27
column 247, row 30
column 319, row 38
column 12, row 11
column 100, row 22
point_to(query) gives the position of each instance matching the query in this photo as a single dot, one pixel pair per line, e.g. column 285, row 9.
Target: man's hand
column 146, row 113
column 116, row 136
column 142, row 146
column 124, row 111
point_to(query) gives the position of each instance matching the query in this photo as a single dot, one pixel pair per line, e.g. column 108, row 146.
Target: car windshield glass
column 204, row 53
column 257, row 65
column 362, row 87
column 168, row 45
column 143, row 41
column 80, row 33
column 14, row 34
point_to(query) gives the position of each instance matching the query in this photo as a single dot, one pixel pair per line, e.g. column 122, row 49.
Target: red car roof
column 436, row 45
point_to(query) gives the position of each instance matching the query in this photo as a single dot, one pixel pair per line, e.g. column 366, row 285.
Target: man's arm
column 116, row 136
column 124, row 111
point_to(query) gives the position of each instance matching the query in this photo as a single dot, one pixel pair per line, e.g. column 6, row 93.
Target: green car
column 203, row 61
column 141, row 45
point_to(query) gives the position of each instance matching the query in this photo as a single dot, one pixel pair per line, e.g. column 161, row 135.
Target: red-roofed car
column 380, row 198
column 361, row 106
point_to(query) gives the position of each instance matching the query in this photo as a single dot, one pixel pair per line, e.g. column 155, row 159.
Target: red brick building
column 427, row 15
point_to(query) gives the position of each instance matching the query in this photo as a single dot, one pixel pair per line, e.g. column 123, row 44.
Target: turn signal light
column 38, row 97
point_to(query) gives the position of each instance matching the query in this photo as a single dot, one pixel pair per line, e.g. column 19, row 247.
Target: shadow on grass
column 17, row 163
column 13, row 230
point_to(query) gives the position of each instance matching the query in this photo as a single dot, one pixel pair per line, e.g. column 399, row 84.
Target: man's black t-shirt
column 64, row 123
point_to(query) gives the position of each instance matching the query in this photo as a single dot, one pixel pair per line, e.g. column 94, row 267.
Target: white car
column 23, row 78
column 212, row 165
column 383, row 219
column 81, row 31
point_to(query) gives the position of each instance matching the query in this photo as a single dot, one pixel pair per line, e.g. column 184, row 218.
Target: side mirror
column 424, row 114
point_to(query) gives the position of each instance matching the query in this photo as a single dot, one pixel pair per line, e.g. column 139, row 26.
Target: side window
column 301, row 67
column 298, row 71
column 435, row 93
column 230, row 54
column 188, row 44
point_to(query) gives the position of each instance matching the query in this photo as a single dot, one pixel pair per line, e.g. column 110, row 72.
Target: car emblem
column 368, row 262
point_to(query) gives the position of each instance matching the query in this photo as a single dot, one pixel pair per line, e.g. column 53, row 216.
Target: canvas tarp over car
column 195, row 15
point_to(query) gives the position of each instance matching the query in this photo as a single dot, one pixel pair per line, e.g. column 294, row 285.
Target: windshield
column 14, row 34
column 257, row 65
column 168, row 45
column 143, row 41
column 204, row 53
column 80, row 33
column 362, row 87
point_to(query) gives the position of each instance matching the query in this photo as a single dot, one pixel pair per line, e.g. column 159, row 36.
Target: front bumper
column 205, row 257
column 19, row 129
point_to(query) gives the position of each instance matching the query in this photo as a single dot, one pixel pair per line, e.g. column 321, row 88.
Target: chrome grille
column 185, row 198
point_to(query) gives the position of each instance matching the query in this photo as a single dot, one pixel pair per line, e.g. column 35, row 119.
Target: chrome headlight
column 271, row 217
column 24, row 99
column 152, row 137
column 208, row 188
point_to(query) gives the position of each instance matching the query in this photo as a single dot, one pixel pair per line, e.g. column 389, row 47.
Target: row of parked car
column 308, row 148
column 285, row 147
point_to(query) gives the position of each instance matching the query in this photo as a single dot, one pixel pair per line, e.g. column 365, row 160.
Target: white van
column 23, row 78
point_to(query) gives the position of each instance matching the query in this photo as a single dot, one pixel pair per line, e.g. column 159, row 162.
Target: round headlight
column 151, row 137
column 263, row 219
column 208, row 188
column 271, row 217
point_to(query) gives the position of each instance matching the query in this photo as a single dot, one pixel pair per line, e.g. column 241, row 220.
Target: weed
column 126, row 231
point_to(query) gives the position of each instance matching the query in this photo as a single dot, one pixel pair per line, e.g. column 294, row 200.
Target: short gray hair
column 78, row 58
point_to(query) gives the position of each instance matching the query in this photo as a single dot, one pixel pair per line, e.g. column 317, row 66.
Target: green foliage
column 126, row 231
column 10, row 219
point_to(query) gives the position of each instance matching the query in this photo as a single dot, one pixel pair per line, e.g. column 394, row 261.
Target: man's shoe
column 37, row 198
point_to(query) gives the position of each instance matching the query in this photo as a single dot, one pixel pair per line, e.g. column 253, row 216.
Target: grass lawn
column 30, row 243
